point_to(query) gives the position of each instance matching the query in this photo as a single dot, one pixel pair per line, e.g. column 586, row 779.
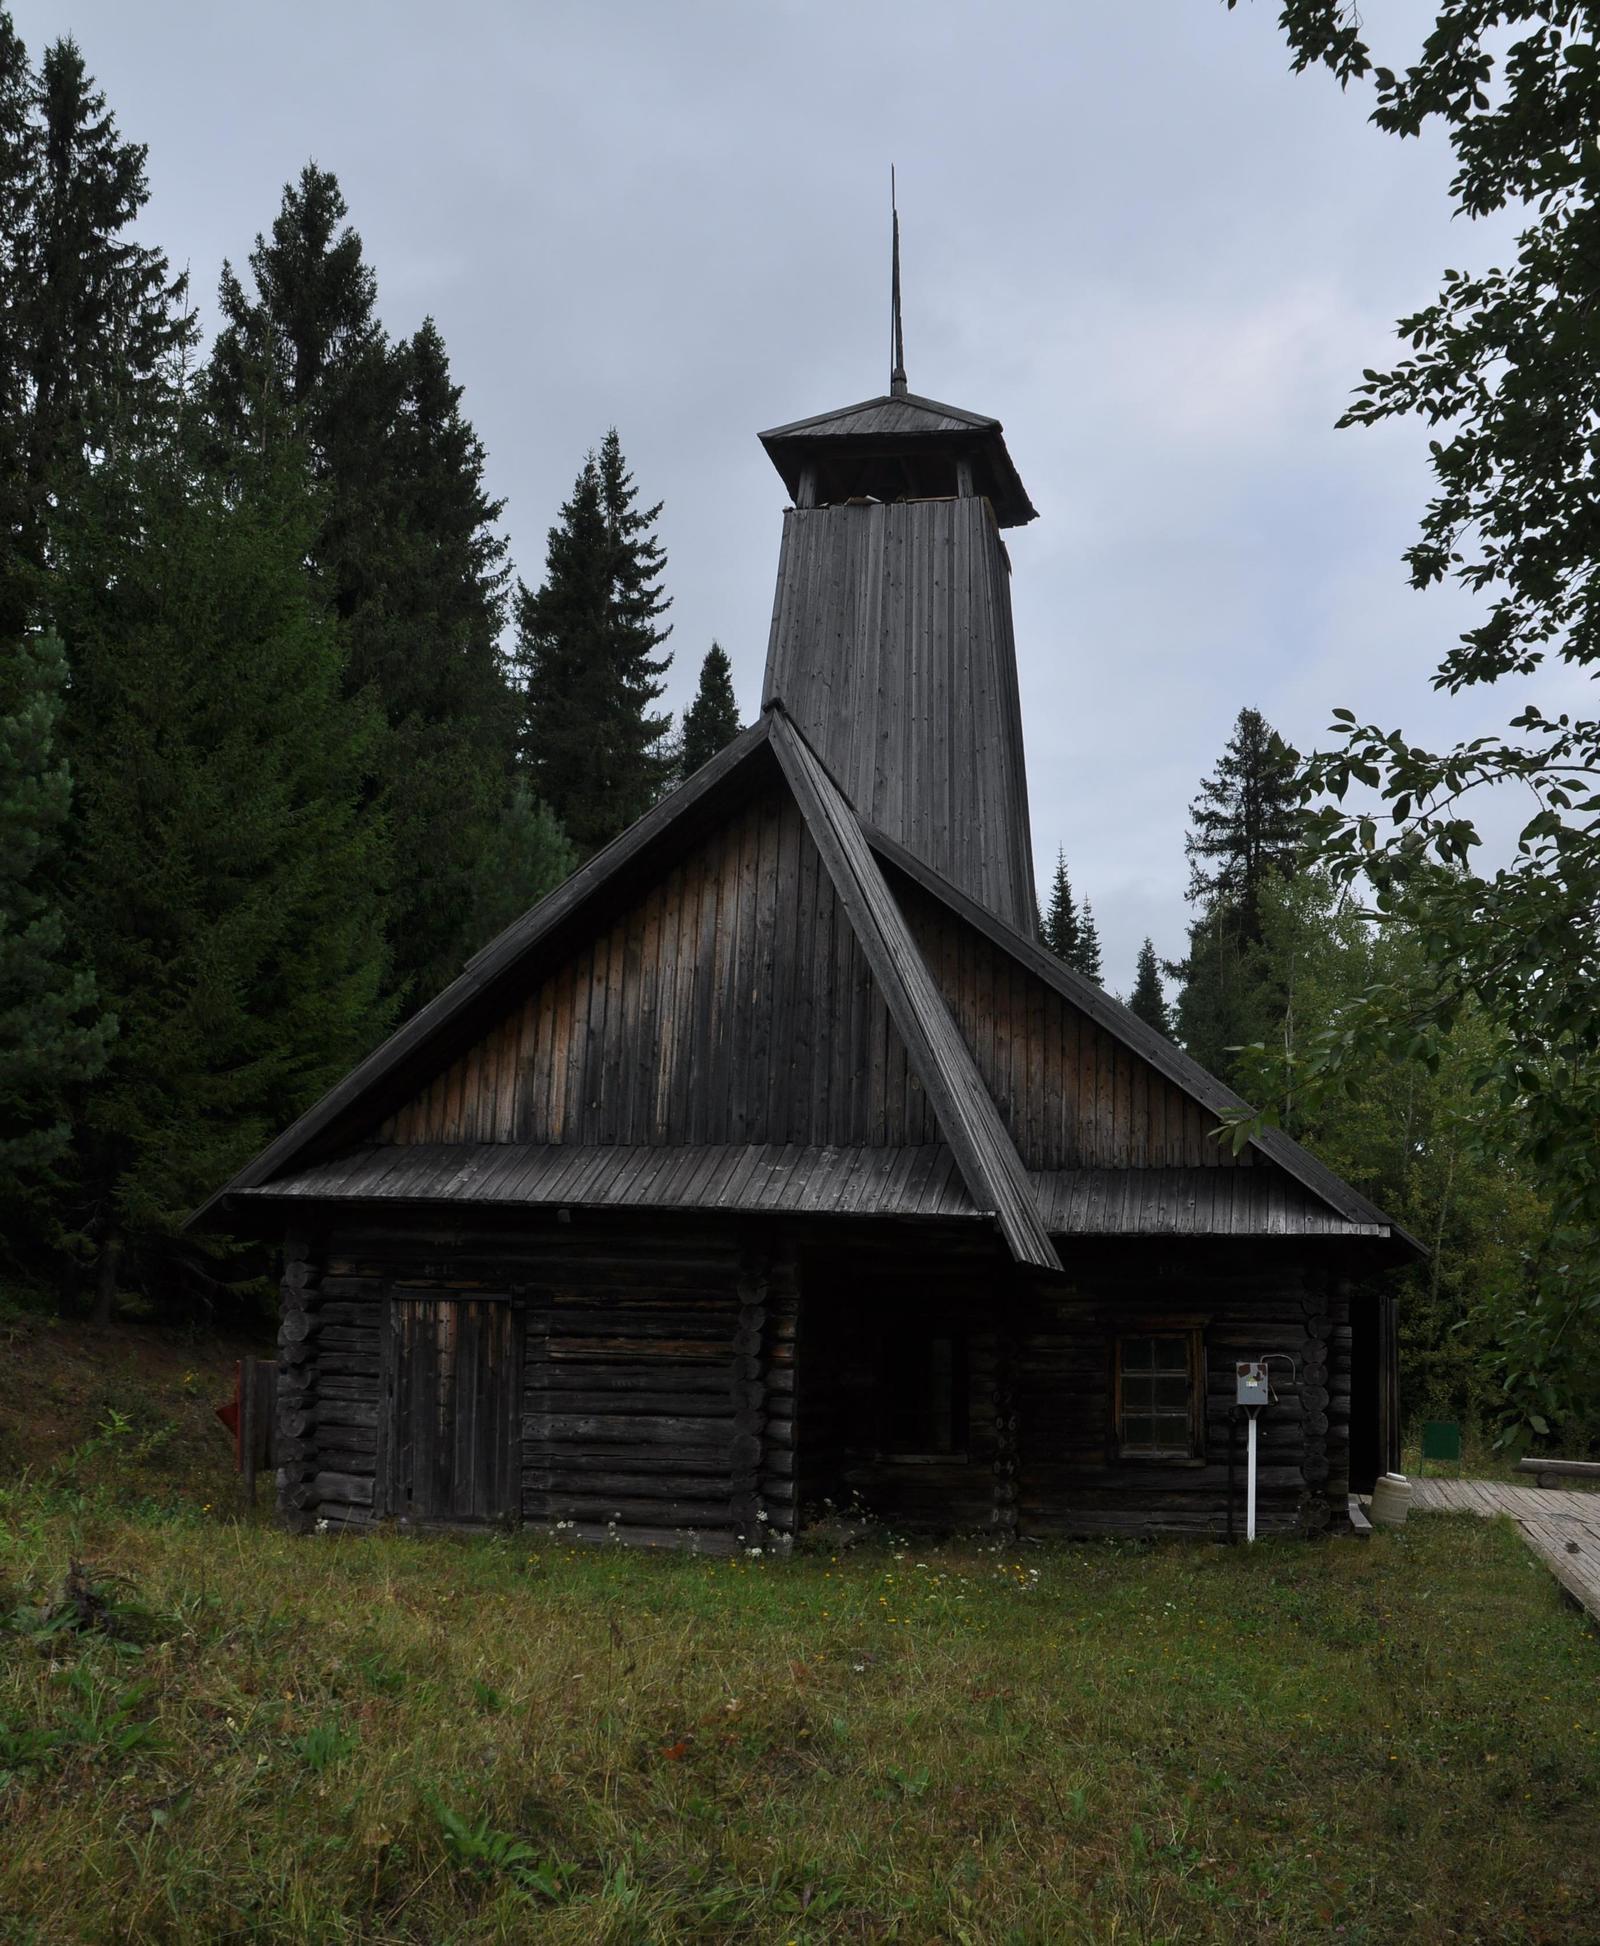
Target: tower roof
column 904, row 425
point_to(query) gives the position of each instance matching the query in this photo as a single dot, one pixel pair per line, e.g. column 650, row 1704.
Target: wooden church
column 771, row 1162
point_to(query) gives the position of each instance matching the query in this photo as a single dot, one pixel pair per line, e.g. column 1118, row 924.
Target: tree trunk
column 105, row 1279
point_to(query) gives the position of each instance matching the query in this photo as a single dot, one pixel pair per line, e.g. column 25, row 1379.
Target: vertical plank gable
column 730, row 1002
column 1071, row 1094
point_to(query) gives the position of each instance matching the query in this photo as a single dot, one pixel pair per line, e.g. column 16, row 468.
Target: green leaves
column 1507, row 360
column 474, row 1845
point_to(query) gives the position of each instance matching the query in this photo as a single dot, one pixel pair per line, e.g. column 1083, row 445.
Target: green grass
column 281, row 1739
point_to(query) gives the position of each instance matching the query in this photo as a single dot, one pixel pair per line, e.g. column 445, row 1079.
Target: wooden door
column 451, row 1408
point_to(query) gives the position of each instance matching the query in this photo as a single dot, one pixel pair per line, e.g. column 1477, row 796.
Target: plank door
column 451, row 1408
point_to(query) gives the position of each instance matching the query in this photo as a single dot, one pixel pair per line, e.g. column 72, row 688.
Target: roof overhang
column 904, row 424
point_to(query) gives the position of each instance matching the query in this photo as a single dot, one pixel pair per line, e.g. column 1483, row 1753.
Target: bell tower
column 891, row 645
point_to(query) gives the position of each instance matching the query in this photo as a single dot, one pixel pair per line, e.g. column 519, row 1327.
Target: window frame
column 1193, row 1335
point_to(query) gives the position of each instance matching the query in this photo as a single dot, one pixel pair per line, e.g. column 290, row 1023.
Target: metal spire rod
column 897, row 347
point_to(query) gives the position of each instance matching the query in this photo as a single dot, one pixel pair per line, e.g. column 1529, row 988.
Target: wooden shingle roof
column 789, row 1179
column 967, row 1164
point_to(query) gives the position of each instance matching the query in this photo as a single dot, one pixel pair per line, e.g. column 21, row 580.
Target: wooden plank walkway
column 1562, row 1527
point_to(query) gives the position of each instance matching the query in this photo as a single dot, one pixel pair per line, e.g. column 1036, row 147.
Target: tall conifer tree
column 1087, row 956
column 1246, row 823
column 1149, row 1001
column 586, row 649
column 53, row 1033
column 711, row 721
column 226, row 871
column 90, row 321
column 406, row 552
column 1061, row 921
column 1246, row 833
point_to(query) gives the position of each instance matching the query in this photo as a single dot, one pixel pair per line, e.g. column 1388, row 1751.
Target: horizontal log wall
column 631, row 1410
column 1071, row 1096
column 690, row 1388
column 1071, row 1479
column 657, row 1393
column 730, row 1004
column 328, row 1356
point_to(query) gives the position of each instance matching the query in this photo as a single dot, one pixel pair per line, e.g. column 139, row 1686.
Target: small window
column 1159, row 1392
column 922, row 1395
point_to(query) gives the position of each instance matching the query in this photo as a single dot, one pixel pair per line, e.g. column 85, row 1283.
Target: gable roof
column 382, row 1073
column 1142, row 1039
column 993, row 1178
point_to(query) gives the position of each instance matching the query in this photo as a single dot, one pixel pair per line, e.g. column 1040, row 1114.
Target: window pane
column 1157, row 1395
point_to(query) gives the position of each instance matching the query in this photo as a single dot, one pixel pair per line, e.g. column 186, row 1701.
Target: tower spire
column 897, row 349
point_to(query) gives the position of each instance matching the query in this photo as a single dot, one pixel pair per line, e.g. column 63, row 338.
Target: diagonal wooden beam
column 963, row 1106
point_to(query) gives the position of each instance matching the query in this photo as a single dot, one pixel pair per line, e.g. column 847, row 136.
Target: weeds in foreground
column 425, row 1740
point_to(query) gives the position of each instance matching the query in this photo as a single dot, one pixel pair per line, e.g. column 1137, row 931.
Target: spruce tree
column 90, row 321
column 1149, row 1001
column 1246, row 823
column 1245, row 837
column 1086, row 958
column 711, row 721
column 406, row 551
column 530, row 854
column 586, row 643
column 226, row 871
column 1061, row 921
column 53, row 1034
column 18, row 192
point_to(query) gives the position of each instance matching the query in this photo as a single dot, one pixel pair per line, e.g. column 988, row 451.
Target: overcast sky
column 1129, row 232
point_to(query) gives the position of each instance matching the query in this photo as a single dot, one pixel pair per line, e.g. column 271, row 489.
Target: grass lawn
column 429, row 1740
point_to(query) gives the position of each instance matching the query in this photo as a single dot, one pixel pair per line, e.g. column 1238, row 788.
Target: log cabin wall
column 1071, row 1095
column 687, row 1384
column 1071, row 1477
column 654, row 1400
column 729, row 1004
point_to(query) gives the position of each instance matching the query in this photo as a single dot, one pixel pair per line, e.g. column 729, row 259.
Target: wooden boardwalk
column 1562, row 1527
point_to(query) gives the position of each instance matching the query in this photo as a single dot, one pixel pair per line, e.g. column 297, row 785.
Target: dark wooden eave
column 919, row 1182
column 906, row 422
